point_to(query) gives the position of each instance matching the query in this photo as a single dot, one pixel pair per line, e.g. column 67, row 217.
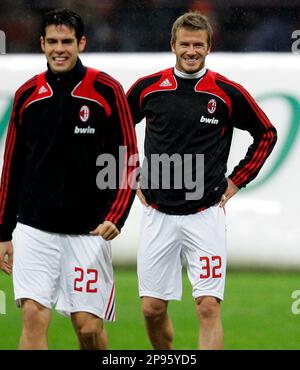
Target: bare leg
column 89, row 330
column 159, row 326
column 36, row 320
column 211, row 330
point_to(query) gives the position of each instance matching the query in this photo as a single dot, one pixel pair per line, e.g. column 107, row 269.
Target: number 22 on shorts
column 210, row 267
column 93, row 275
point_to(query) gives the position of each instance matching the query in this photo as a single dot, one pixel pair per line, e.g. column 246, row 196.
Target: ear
column 42, row 41
column 172, row 46
column 82, row 44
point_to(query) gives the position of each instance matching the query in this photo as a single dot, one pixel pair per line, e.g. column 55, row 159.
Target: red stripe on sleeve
column 122, row 200
column 260, row 153
column 9, row 146
column 121, row 194
column 6, row 171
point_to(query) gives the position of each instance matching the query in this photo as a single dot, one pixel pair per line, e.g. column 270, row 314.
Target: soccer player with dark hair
column 190, row 113
column 62, row 121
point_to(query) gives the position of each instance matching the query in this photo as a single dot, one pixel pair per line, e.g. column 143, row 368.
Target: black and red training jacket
column 60, row 124
column 190, row 116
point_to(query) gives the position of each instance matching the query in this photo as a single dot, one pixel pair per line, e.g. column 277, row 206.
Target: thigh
column 159, row 262
column 204, row 248
column 36, row 265
column 87, row 279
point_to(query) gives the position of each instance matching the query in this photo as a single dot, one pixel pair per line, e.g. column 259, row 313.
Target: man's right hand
column 6, row 257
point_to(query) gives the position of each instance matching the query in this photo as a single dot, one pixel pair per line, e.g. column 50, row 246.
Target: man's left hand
column 230, row 191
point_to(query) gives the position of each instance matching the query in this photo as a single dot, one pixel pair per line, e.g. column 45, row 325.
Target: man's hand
column 230, row 191
column 141, row 196
column 107, row 230
column 6, row 257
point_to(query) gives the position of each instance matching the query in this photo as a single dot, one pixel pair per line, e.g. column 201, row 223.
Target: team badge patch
column 211, row 106
column 84, row 113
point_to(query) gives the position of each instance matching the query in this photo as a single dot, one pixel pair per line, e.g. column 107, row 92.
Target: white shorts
column 73, row 272
column 167, row 242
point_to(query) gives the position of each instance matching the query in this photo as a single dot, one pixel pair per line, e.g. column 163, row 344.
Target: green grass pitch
column 257, row 314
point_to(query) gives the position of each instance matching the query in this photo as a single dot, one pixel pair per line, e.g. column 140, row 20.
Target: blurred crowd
column 144, row 25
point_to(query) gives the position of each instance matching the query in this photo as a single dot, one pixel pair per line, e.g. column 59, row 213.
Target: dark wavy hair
column 64, row 17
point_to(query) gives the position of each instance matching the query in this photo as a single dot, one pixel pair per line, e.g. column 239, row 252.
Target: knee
column 154, row 309
column 36, row 318
column 208, row 308
column 88, row 330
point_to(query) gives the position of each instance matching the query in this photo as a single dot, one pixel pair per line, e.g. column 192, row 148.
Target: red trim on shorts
column 110, row 303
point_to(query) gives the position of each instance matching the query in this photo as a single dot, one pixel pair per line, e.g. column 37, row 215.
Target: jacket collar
column 72, row 77
column 189, row 76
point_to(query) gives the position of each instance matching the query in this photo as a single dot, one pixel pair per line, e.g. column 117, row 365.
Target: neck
column 194, row 75
column 74, row 75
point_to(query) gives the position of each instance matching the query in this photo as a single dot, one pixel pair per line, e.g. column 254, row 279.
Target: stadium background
column 252, row 45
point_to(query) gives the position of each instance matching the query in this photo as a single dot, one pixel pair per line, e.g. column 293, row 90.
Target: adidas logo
column 42, row 90
column 212, row 121
column 165, row 83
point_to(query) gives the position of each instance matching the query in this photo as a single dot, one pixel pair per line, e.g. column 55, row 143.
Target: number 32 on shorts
column 211, row 267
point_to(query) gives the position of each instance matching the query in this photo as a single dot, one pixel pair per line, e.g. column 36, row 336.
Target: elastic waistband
column 178, row 212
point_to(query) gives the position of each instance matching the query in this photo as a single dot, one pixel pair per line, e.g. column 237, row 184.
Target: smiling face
column 191, row 48
column 61, row 47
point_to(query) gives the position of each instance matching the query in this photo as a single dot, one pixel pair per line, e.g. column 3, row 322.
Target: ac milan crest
column 211, row 106
column 84, row 113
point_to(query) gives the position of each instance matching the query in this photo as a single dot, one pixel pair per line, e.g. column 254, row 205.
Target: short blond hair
column 192, row 21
